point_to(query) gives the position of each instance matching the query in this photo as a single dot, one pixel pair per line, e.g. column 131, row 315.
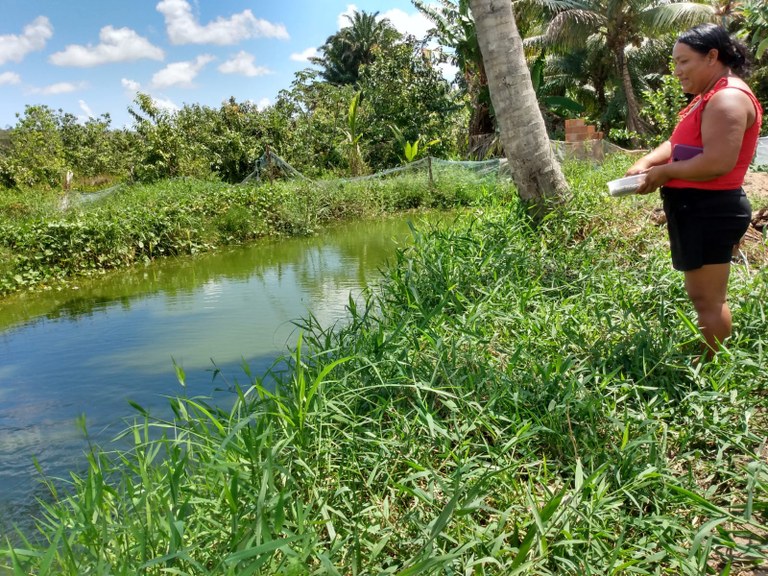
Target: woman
column 707, row 210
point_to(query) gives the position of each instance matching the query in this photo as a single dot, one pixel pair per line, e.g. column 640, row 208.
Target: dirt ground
column 753, row 244
column 756, row 186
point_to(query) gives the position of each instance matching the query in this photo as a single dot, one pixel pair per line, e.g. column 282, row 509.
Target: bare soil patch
column 753, row 245
column 756, row 186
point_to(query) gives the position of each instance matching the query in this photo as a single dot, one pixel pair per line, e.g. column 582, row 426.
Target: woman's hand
column 655, row 178
column 656, row 157
column 640, row 167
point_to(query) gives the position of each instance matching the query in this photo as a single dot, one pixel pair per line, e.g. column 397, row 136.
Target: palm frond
column 570, row 28
column 675, row 17
column 556, row 6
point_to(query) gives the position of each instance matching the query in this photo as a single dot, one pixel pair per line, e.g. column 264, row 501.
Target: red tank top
column 688, row 131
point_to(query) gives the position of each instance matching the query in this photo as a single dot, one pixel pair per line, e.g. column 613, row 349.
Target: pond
column 87, row 351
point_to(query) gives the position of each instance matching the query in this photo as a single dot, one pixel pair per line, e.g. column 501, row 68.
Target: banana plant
column 410, row 149
column 352, row 137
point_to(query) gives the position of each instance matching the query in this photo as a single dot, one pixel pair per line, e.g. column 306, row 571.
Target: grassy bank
column 508, row 401
column 43, row 245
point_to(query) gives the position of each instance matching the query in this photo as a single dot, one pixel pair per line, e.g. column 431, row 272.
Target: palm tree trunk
column 634, row 122
column 535, row 171
column 481, row 123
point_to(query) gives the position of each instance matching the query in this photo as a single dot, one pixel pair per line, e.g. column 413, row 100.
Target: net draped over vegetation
column 270, row 166
column 761, row 156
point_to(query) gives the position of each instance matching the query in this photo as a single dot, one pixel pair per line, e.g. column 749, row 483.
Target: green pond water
column 89, row 350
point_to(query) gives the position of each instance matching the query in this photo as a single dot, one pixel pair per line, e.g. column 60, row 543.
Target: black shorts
column 704, row 225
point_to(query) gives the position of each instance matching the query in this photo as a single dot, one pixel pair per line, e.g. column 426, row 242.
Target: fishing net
column 761, row 156
column 270, row 166
column 73, row 198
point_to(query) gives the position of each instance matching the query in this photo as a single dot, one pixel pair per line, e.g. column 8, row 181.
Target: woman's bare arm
column 657, row 156
column 723, row 124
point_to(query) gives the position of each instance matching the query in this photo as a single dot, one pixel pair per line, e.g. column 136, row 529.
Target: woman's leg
column 707, row 288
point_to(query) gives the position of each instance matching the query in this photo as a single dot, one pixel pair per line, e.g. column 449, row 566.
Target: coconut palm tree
column 454, row 29
column 618, row 28
column 353, row 46
column 535, row 171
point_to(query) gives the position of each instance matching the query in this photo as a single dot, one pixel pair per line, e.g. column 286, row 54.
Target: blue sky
column 90, row 57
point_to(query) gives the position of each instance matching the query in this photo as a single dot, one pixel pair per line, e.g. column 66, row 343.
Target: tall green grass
column 509, row 400
column 42, row 245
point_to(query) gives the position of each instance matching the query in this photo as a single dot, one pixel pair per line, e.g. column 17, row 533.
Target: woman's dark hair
column 731, row 52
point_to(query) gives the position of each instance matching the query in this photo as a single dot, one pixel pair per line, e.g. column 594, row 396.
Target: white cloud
column 183, row 27
column 9, row 78
column 263, row 103
column 448, row 70
column 34, row 37
column 341, row 20
column 305, row 55
column 130, row 85
column 59, row 88
column 116, row 45
column 243, row 63
column 181, row 73
column 164, row 104
column 87, row 109
column 415, row 24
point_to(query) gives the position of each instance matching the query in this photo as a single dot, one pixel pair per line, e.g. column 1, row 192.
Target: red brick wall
column 576, row 130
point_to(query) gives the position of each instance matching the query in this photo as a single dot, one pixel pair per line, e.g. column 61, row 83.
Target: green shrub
column 236, row 224
column 47, row 243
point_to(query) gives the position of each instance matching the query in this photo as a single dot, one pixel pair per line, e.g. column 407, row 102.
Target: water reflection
column 90, row 349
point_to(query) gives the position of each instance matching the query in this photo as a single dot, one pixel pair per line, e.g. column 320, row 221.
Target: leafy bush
column 662, row 107
column 236, row 223
column 185, row 216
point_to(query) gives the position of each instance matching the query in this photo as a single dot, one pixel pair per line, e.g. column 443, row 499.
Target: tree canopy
column 603, row 60
column 354, row 46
